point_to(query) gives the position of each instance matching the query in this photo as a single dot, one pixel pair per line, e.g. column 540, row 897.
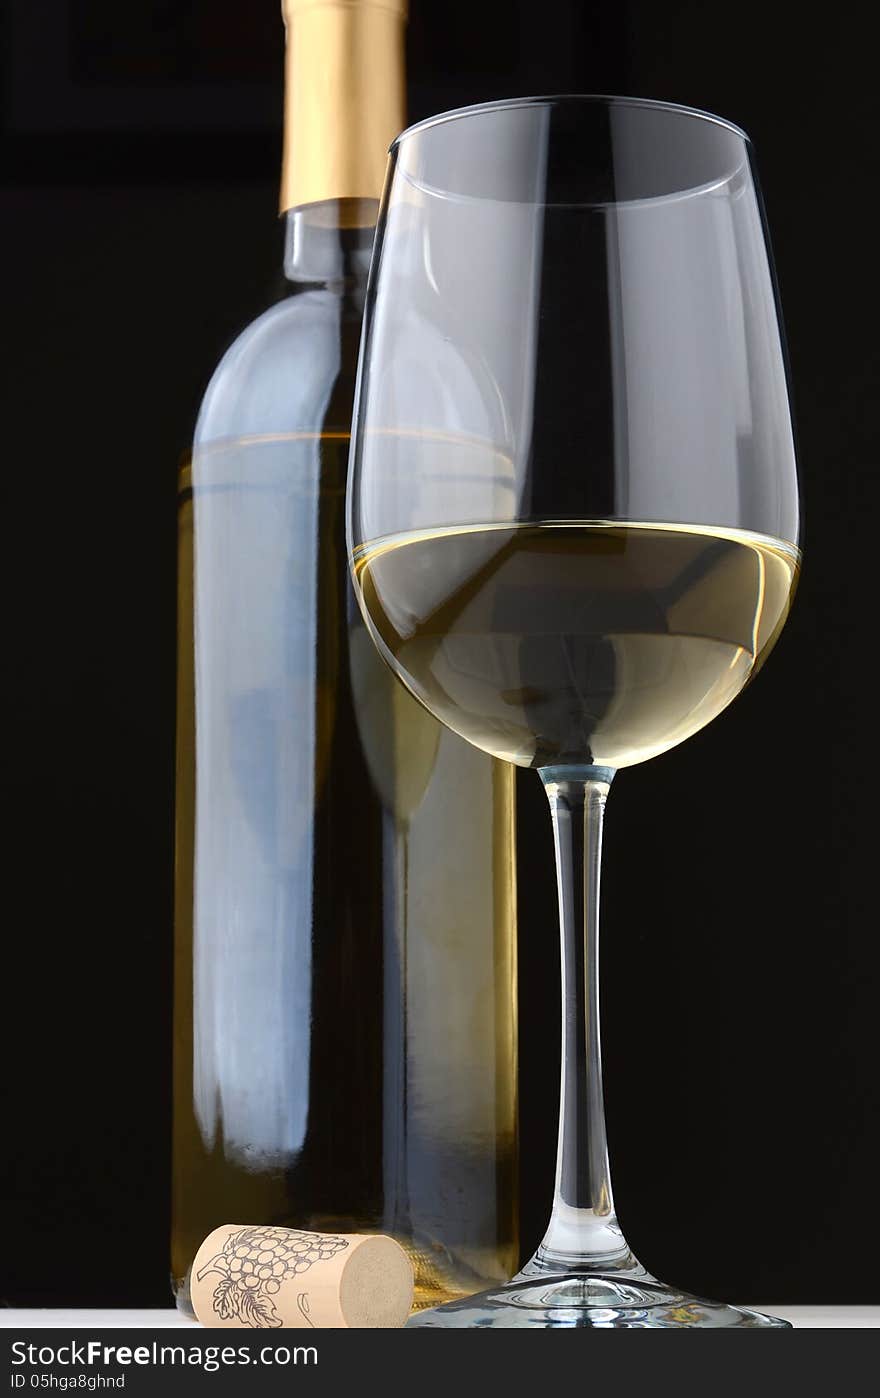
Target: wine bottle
column 345, row 1028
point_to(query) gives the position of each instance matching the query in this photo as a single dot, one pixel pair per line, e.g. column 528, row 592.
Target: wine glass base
column 589, row 1301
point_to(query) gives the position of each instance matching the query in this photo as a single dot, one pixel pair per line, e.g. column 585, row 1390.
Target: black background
column 741, row 959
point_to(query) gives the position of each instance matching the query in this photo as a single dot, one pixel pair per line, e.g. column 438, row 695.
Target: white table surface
column 802, row 1317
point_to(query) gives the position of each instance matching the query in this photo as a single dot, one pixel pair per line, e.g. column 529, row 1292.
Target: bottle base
column 182, row 1300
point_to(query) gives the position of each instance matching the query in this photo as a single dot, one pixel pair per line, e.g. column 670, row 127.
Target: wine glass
column 574, row 520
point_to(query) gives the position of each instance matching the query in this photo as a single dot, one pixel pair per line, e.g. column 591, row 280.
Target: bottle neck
column 344, row 98
column 329, row 245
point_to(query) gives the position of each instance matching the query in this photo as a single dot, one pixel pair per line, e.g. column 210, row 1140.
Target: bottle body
column 345, row 1032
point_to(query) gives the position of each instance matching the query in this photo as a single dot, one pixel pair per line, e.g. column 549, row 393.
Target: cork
column 259, row 1278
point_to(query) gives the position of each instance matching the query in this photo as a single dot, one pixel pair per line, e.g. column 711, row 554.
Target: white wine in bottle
column 345, row 1029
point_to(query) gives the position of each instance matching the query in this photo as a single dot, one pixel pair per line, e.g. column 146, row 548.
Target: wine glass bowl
column 574, row 516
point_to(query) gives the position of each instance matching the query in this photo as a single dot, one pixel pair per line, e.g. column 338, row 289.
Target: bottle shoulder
column 278, row 374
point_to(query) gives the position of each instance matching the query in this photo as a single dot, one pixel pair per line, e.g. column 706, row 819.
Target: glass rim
column 566, row 99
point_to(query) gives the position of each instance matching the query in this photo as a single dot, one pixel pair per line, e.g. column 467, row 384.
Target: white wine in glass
column 574, row 641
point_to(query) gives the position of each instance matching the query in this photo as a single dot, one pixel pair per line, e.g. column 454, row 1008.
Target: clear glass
column 573, row 520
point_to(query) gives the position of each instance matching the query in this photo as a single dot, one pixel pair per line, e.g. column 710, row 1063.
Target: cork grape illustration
column 252, row 1265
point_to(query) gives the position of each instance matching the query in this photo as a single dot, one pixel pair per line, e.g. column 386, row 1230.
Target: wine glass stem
column 583, row 1233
